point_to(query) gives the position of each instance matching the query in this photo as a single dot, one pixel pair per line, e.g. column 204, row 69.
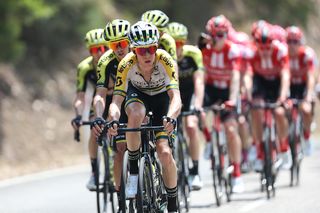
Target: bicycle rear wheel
column 124, row 176
column 145, row 198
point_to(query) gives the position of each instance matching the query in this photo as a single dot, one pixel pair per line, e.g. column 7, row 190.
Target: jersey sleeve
column 168, row 44
column 123, row 76
column 103, row 73
column 83, row 68
column 171, row 81
column 234, row 57
column 309, row 59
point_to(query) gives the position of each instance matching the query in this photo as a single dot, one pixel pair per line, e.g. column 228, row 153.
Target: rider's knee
column 165, row 157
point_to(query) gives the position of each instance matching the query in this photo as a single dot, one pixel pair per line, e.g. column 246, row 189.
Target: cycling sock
column 207, row 134
column 236, row 170
column 284, row 145
column 260, row 154
column 94, row 164
column 306, row 134
column 133, row 157
column 172, row 199
column 245, row 155
column 195, row 169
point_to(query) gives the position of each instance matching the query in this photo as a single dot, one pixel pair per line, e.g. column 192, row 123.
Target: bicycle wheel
column 102, row 178
column 216, row 169
column 268, row 161
column 145, row 198
column 296, row 153
column 183, row 173
column 124, row 175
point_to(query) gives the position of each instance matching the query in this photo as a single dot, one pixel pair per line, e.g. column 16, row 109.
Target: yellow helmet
column 177, row 31
column 116, row 30
column 156, row 17
column 94, row 38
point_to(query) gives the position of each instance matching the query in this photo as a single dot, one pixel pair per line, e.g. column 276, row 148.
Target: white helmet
column 143, row 34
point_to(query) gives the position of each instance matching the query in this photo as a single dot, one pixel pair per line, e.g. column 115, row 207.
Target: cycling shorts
column 214, row 95
column 266, row 89
column 297, row 91
column 158, row 104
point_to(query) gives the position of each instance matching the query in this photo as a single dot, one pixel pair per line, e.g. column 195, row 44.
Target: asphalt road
column 64, row 191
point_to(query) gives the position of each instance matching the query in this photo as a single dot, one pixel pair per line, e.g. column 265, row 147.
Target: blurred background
column 41, row 43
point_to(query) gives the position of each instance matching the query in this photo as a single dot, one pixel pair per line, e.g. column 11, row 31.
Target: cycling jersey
column 220, row 64
column 270, row 67
column 163, row 77
column 168, row 43
column 85, row 73
column 301, row 64
column 191, row 62
column 107, row 70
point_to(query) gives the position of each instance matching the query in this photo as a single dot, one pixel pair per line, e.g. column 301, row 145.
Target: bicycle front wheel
column 145, row 198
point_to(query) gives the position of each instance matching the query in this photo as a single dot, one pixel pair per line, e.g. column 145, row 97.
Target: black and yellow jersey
column 189, row 63
column 107, row 70
column 85, row 73
column 163, row 77
column 168, row 43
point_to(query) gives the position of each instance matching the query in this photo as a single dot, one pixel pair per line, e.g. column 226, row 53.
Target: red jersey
column 220, row 64
column 271, row 66
column 301, row 64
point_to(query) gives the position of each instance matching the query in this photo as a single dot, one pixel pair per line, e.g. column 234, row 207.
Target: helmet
column 178, row 31
column 279, row 33
column 258, row 24
column 218, row 24
column 263, row 35
column 294, row 33
column 156, row 17
column 116, row 30
column 94, row 38
column 143, row 34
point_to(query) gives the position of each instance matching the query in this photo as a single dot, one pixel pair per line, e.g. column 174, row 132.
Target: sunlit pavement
column 64, row 191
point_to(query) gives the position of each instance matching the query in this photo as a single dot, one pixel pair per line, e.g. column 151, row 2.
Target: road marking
column 250, row 206
column 43, row 175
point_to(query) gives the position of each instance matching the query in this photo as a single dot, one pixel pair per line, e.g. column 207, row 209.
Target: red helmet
column 258, row 24
column 218, row 24
column 279, row 33
column 294, row 33
column 263, row 35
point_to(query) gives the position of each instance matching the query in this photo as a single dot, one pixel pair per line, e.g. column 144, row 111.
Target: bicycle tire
column 145, row 196
column 103, row 187
column 124, row 175
column 216, row 169
column 183, row 185
column 268, row 161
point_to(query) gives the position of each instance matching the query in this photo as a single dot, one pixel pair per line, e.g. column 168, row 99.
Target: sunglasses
column 180, row 43
column 95, row 50
column 143, row 50
column 220, row 35
column 293, row 41
column 116, row 44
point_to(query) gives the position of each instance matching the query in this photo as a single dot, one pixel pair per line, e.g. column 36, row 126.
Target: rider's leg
column 194, row 147
column 282, row 128
column 169, row 172
column 306, row 109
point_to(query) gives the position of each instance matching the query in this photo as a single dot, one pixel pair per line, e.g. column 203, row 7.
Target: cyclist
column 147, row 80
column 302, row 68
column 191, row 84
column 87, row 74
column 222, row 60
column 161, row 20
column 116, row 34
column 271, row 81
column 244, row 44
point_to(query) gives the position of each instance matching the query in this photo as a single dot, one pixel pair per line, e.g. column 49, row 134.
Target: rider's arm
column 234, row 86
column 100, row 101
column 175, row 103
column 115, row 107
column 198, row 81
column 285, row 84
column 311, row 80
column 78, row 103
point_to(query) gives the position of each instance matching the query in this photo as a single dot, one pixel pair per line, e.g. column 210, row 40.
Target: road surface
column 63, row 191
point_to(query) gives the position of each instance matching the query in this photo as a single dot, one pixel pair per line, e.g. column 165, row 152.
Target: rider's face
column 146, row 56
column 120, row 48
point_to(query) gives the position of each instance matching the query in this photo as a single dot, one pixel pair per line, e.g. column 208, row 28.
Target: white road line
column 43, row 175
column 252, row 205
